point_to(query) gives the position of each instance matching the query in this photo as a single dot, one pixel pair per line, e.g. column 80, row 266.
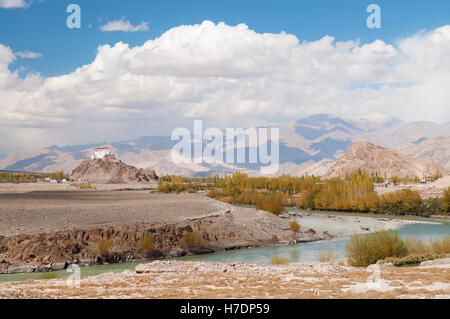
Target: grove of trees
column 354, row 193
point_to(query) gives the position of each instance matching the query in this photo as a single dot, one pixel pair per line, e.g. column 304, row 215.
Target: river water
column 304, row 252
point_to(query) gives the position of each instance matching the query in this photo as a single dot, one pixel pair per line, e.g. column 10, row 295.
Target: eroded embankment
column 216, row 226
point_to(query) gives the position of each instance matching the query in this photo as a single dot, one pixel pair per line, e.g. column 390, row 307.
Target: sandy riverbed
column 340, row 226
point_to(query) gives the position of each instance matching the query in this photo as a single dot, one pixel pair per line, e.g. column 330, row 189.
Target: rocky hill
column 111, row 171
column 376, row 159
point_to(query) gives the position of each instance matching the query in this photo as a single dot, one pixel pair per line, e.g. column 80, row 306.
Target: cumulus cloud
column 232, row 76
column 8, row 4
column 28, row 55
column 124, row 25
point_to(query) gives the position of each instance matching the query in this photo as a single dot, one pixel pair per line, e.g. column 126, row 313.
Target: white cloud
column 8, row 4
column 28, row 55
column 230, row 76
column 124, row 25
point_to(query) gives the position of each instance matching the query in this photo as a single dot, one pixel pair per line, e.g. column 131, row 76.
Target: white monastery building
column 100, row 152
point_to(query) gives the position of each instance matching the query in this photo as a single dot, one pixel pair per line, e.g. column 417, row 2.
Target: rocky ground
column 175, row 279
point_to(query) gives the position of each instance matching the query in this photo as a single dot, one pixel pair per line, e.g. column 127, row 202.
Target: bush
column 411, row 260
column 191, row 240
column 275, row 239
column 416, row 247
column 104, row 246
column 278, row 260
column 446, row 200
column 327, row 256
column 147, row 242
column 273, row 203
column 213, row 193
column 440, row 246
column 294, row 226
column 364, row 250
column 86, row 186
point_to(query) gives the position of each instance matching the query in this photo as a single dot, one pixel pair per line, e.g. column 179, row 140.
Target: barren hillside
column 375, row 159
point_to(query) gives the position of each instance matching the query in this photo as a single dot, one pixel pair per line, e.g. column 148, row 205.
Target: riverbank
column 43, row 231
column 191, row 280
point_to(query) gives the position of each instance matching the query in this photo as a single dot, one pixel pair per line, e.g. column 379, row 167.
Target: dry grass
column 191, row 240
column 278, row 260
column 294, row 226
column 147, row 242
column 327, row 256
column 104, row 246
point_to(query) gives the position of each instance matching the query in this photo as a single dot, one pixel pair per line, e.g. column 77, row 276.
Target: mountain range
column 307, row 146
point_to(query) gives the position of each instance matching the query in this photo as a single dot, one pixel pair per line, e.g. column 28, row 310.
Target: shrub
column 191, row 240
column 418, row 251
column 278, row 260
column 446, row 200
column 86, row 186
column 104, row 246
column 364, row 250
column 416, row 247
column 273, row 203
column 147, row 242
column 275, row 238
column 294, row 226
column 411, row 260
column 440, row 246
column 327, row 256
column 213, row 193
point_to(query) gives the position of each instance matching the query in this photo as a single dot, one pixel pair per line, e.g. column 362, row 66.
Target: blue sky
column 268, row 62
column 41, row 27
